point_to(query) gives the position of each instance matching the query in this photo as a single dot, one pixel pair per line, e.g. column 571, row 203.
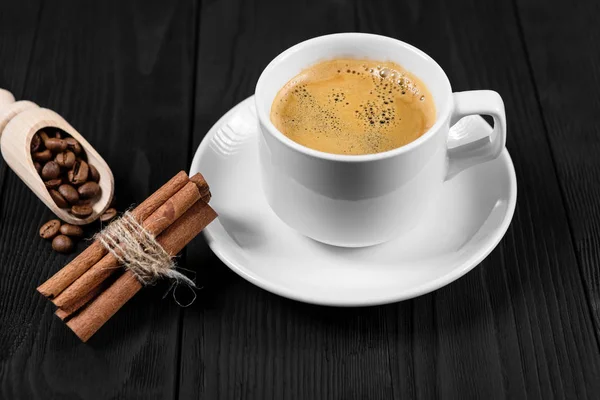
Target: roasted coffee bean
column 89, row 190
column 55, row 145
column 58, row 199
column 81, row 211
column 36, row 143
column 85, row 202
column 73, row 145
column 108, row 215
column 62, row 163
column 42, row 156
column 62, row 244
column 94, row 174
column 66, row 159
column 43, row 136
column 71, row 230
column 79, row 173
column 50, row 229
column 69, row 193
column 51, row 170
column 53, row 184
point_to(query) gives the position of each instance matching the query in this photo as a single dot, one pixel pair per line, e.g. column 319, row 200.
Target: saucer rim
column 473, row 261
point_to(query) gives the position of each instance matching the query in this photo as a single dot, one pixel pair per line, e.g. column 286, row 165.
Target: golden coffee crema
column 352, row 106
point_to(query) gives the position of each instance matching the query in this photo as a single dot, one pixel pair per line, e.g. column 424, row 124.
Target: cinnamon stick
column 203, row 187
column 164, row 216
column 64, row 313
column 94, row 253
column 206, row 198
column 173, row 240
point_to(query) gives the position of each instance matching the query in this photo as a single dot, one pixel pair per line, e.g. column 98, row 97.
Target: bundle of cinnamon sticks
column 92, row 288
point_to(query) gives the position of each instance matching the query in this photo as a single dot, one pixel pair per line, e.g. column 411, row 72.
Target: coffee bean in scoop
column 36, row 142
column 66, row 159
column 51, row 170
column 78, row 175
column 62, row 164
column 53, row 183
column 82, row 211
column 55, row 145
column 94, row 175
column 58, row 198
column 89, row 190
column 69, row 193
column 42, row 156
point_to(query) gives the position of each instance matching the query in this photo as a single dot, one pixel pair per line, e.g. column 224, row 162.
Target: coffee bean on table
column 62, row 244
column 79, row 173
column 50, row 229
column 108, row 215
column 58, row 199
column 51, row 170
column 94, row 175
column 42, row 156
column 55, row 145
column 38, row 167
column 74, row 145
column 36, row 143
column 69, row 193
column 82, row 211
column 53, row 183
column 89, row 190
column 58, row 135
column 71, row 230
column 66, row 159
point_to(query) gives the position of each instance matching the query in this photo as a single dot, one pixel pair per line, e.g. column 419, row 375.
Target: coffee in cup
column 366, row 195
column 353, row 106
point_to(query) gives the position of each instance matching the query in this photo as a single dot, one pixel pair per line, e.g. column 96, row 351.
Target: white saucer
column 471, row 216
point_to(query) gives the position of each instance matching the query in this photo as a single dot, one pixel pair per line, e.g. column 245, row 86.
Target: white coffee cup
column 362, row 200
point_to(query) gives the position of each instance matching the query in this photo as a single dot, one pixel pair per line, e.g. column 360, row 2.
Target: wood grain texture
column 562, row 45
column 120, row 73
column 18, row 29
column 517, row 326
column 145, row 81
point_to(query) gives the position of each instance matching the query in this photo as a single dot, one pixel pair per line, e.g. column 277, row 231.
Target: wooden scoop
column 19, row 121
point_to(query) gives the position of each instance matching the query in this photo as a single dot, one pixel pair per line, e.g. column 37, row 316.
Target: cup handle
column 475, row 152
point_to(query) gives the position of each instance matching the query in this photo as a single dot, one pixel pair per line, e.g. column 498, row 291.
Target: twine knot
column 139, row 252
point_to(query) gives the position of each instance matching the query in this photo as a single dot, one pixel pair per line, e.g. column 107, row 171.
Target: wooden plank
column 519, row 324
column 18, row 27
column 563, row 53
column 120, row 73
column 516, row 326
column 239, row 341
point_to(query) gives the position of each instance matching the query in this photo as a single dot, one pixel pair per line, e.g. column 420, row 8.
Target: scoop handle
column 6, row 98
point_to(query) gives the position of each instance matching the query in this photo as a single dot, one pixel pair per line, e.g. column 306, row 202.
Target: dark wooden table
column 145, row 81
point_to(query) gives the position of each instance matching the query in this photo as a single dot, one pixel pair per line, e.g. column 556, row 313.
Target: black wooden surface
column 144, row 81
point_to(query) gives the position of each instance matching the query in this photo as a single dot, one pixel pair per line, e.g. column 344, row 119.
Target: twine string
column 139, row 252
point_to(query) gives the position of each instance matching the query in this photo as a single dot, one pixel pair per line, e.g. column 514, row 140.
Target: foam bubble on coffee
column 349, row 106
